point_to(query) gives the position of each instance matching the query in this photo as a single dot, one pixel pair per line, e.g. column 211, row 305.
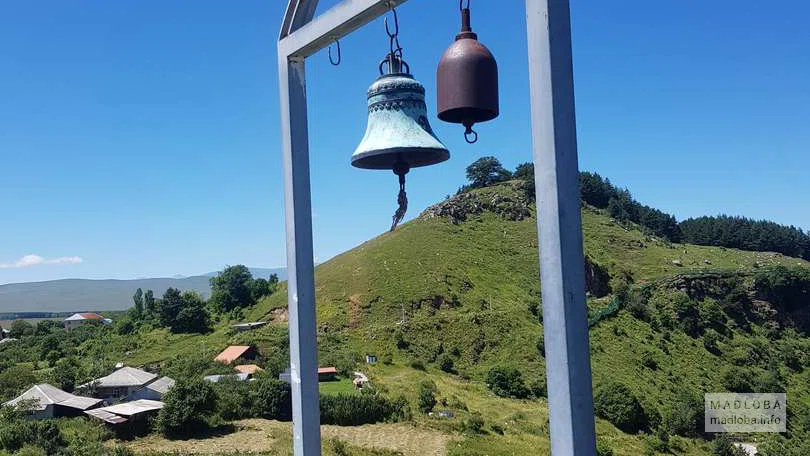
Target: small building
column 4, row 333
column 241, row 327
column 327, row 374
column 47, row 401
column 218, row 378
column 153, row 391
column 234, row 352
column 129, row 383
column 250, row 369
column 8, row 340
column 134, row 414
column 371, row 359
column 80, row 319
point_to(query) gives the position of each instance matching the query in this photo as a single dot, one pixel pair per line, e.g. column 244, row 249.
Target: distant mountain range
column 73, row 295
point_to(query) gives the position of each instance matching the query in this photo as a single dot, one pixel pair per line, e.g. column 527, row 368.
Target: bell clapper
column 400, row 169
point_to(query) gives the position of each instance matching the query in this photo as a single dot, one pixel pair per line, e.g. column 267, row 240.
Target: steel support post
column 300, row 259
column 559, row 227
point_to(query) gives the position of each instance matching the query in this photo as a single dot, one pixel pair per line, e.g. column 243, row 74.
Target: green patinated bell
column 398, row 136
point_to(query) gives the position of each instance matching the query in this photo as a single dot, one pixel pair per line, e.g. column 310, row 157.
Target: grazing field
column 274, row 438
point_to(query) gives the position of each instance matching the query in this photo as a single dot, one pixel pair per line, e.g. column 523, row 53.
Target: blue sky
column 141, row 137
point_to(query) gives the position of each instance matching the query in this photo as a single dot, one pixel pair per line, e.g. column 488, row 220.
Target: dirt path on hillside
column 258, row 435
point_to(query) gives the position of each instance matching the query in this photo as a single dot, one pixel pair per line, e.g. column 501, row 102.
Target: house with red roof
column 234, row 352
column 80, row 319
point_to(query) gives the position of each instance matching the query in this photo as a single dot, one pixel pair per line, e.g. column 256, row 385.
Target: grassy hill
column 460, row 282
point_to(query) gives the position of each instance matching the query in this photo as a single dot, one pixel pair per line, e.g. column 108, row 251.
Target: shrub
column 188, row 405
column 507, row 382
column 387, row 358
column 723, row 446
column 427, row 396
column 496, row 428
column 684, row 416
column 418, row 364
column 710, row 340
column 358, row 409
column 539, row 388
column 603, row 449
column 474, row 424
column 271, row 399
column 234, row 401
column 446, row 363
column 648, row 360
column 616, row 403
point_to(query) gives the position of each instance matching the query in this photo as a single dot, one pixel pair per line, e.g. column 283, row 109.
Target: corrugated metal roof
column 232, row 353
column 327, row 370
column 217, row 378
column 161, row 385
column 44, row 395
column 126, row 376
column 128, row 409
column 80, row 403
column 84, row 316
column 106, row 416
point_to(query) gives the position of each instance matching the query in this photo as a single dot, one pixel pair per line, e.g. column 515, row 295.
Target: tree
column 427, row 396
column 149, row 303
column 66, row 373
column 232, row 289
column 137, row 299
column 507, row 382
column 187, row 408
column 616, row 403
column 193, row 316
column 14, row 380
column 446, row 363
column 169, row 307
column 486, row 171
column 20, row 329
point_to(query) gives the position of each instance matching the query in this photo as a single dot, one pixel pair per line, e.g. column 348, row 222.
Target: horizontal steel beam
column 337, row 22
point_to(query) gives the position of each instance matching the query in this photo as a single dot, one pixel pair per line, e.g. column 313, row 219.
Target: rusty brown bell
column 467, row 81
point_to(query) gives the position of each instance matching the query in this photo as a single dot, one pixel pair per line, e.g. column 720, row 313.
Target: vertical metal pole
column 300, row 263
column 560, row 229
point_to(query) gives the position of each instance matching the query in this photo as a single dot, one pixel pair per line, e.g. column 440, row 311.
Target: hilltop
column 452, row 296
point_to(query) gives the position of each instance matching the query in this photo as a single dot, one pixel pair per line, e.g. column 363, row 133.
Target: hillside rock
column 508, row 205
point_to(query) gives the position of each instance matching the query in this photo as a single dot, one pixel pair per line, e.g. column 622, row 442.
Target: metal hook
column 339, row 57
column 461, row 4
column 471, row 136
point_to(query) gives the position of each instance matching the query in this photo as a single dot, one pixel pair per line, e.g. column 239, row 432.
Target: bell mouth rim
column 426, row 156
column 462, row 116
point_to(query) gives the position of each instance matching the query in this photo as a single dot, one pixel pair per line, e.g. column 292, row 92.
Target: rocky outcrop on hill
column 508, row 205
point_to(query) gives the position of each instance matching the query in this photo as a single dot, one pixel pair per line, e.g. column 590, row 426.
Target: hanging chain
column 393, row 37
column 402, row 200
column 461, row 5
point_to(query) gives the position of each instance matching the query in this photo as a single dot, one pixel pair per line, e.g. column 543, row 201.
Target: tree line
column 595, row 190
column 232, row 290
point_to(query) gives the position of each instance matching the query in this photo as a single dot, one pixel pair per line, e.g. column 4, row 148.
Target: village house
column 80, row 319
column 235, row 352
column 46, row 401
column 240, row 377
column 130, row 413
column 129, row 383
column 325, row 374
column 250, row 369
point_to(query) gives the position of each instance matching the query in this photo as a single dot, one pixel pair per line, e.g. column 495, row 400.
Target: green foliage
column 271, row 398
column 446, row 363
column 188, row 406
column 616, row 403
column 20, row 329
column 747, row 234
column 193, row 316
column 16, row 432
column 232, row 288
column 474, row 424
column 137, row 307
column 67, row 373
column 788, row 288
column 684, row 416
column 603, row 449
column 14, row 380
column 427, row 396
column 723, row 446
column 358, row 409
column 486, row 171
column 507, row 382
